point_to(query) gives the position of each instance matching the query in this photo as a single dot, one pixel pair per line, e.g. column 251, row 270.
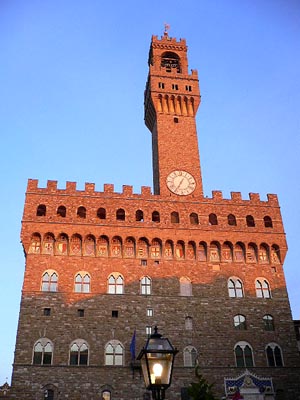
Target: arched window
column 101, row 213
column 194, row 219
column 175, row 217
column 35, row 244
column 170, row 62
column 263, row 254
column 239, row 322
column 41, row 210
column 81, row 212
column 243, row 355
column 114, row 353
column 268, row 321
column 268, row 222
column 185, row 286
column 49, row 394
column 62, row 245
column 89, row 246
column 79, row 353
column 250, row 221
column 102, row 246
column 145, row 285
column 115, row 284
column 120, row 214
column 274, row 355
column 231, row 220
column 106, row 395
column 235, row 287
column 213, row 219
column 189, row 356
column 188, row 323
column 75, row 245
column 262, row 288
column 239, row 255
column 82, row 283
column 49, row 281
column 155, row 216
column 61, row 211
column 139, row 215
column 42, row 352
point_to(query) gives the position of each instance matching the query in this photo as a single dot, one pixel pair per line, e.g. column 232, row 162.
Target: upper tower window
column 41, row 210
column 170, row 62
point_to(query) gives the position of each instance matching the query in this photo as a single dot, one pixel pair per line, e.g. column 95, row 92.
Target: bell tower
column 172, row 97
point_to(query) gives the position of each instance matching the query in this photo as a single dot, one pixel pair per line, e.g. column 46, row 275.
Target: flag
column 132, row 345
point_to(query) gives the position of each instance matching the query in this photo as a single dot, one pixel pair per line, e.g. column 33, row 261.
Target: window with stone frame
column 42, row 352
column 114, row 353
column 274, row 355
column 188, row 323
column 120, row 214
column 239, row 322
column 81, row 212
column 268, row 222
column 115, row 284
column 175, row 217
column 262, row 288
column 155, row 216
column 41, row 210
column 79, row 352
column 250, row 221
column 82, row 283
column 231, row 220
column 194, row 219
column 106, row 395
column 213, row 219
column 61, row 211
column 185, row 286
column 243, row 355
column 139, row 215
column 145, row 285
column 101, row 213
column 268, row 322
column 235, row 287
column 49, row 281
column 189, row 356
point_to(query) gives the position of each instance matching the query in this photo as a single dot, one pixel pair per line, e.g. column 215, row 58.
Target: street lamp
column 157, row 359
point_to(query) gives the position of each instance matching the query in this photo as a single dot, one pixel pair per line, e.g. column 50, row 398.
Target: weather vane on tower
column 167, row 28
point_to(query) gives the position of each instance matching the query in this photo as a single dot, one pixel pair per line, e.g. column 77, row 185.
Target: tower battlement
column 145, row 193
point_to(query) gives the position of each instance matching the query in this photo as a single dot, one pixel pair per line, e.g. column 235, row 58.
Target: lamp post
column 157, row 360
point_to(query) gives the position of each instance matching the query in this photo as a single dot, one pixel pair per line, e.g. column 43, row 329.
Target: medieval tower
column 208, row 271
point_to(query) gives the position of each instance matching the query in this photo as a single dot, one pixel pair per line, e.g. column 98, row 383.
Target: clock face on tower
column 181, row 183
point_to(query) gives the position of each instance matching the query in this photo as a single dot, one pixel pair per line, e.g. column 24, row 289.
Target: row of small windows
column 116, row 285
column 155, row 216
column 161, row 85
column 240, row 322
column 114, row 354
column 156, row 249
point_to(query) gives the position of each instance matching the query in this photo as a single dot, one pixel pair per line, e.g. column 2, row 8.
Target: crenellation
column 89, row 188
column 236, row 196
column 254, row 197
column 32, row 185
column 146, row 191
column 108, row 188
column 127, row 190
column 51, row 186
column 217, row 195
column 71, row 187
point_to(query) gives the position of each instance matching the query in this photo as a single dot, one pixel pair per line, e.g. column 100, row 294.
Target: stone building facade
column 208, row 271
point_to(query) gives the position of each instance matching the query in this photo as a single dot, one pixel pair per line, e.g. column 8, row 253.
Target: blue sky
column 72, row 77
